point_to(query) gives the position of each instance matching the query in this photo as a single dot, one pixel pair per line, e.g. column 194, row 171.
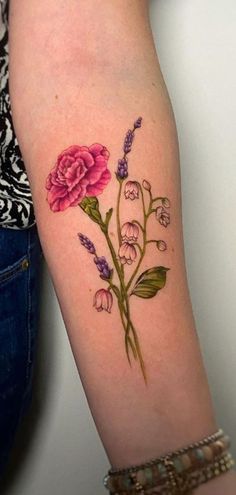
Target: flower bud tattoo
column 79, row 176
column 103, row 300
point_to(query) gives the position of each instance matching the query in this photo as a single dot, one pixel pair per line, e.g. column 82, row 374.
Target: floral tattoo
column 79, row 176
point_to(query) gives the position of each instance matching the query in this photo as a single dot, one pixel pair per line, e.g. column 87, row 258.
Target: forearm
column 80, row 96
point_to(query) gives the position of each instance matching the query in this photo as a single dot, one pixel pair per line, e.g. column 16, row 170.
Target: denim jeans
column 20, row 256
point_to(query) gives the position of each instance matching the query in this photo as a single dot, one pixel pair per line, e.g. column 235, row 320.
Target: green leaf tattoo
column 79, row 176
column 150, row 282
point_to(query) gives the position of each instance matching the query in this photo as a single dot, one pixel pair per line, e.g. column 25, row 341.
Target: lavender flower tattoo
column 79, row 176
column 85, row 241
column 103, row 267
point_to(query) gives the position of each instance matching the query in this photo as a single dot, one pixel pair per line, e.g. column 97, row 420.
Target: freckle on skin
column 56, row 97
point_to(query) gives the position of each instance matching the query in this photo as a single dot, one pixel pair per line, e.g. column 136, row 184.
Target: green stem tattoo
column 118, row 214
column 144, row 230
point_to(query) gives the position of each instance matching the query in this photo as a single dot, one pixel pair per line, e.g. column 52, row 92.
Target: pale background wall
column 196, row 40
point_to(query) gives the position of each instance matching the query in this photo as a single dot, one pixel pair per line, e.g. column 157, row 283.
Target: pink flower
column 103, row 300
column 129, row 232
column 163, row 216
column 146, row 185
column 127, row 253
column 80, row 171
column 161, row 245
column 131, row 190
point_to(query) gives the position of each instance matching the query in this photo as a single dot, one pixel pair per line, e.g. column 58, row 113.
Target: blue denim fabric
column 20, row 256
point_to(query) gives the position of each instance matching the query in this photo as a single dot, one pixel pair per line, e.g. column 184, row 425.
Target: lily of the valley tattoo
column 79, row 176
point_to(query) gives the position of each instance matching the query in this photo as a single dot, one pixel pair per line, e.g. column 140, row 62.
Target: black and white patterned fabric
column 16, row 207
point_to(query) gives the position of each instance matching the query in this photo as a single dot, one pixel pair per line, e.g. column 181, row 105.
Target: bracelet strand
column 178, row 472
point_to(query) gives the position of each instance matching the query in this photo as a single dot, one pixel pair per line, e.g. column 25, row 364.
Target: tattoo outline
column 79, row 176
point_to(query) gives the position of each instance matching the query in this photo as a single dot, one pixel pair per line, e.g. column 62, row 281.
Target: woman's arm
column 81, row 75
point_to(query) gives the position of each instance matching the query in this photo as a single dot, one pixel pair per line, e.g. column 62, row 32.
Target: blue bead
column 199, row 454
column 148, row 474
column 178, row 465
column 161, row 469
column 127, row 482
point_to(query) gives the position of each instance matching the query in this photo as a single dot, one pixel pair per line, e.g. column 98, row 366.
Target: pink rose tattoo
column 80, row 171
column 80, row 175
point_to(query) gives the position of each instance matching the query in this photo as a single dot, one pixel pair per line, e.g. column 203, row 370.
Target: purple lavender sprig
column 138, row 123
column 122, row 167
column 85, row 241
column 103, row 267
column 128, row 141
column 101, row 262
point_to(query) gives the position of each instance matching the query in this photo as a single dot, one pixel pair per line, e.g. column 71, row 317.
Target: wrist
column 181, row 471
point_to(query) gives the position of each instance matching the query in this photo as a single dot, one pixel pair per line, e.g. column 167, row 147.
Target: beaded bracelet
column 178, row 472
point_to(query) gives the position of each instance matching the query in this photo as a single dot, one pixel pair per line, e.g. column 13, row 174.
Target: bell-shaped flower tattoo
column 103, row 300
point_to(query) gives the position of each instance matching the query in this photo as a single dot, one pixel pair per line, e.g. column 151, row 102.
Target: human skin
column 78, row 76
